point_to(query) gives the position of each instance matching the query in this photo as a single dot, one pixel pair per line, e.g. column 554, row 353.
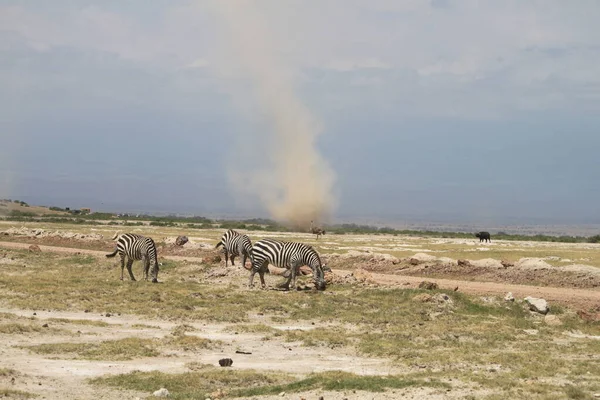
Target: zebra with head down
column 235, row 244
column 290, row 255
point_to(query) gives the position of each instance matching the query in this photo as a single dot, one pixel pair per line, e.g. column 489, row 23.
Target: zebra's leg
column 226, row 257
column 122, row 265
column 129, row 264
column 293, row 275
column 261, row 274
column 251, row 279
column 146, row 264
column 232, row 258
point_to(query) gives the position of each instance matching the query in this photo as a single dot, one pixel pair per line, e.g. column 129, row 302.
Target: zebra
column 136, row 247
column 235, row 244
column 290, row 255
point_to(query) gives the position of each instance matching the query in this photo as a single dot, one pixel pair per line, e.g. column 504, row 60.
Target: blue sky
column 469, row 110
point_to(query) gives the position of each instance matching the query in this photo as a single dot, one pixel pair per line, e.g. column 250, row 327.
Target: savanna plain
column 71, row 329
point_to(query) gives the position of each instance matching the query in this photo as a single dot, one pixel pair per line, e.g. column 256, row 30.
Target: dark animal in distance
column 483, row 236
column 290, row 255
column 235, row 244
column 136, row 247
column 316, row 230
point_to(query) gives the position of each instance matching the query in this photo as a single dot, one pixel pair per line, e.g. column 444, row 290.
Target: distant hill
column 8, row 207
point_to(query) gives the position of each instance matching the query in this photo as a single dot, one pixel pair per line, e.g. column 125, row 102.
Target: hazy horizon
column 475, row 112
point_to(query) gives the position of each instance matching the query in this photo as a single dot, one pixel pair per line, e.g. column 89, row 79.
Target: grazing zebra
column 136, row 247
column 315, row 230
column 235, row 244
column 288, row 255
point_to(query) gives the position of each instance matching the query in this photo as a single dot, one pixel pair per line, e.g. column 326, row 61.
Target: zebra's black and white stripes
column 235, row 244
column 137, row 247
column 288, row 255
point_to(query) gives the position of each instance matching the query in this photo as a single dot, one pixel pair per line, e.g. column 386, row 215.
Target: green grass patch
column 199, row 384
column 15, row 394
column 330, row 337
column 16, row 328
column 112, row 350
column 81, row 259
column 79, row 322
column 7, row 372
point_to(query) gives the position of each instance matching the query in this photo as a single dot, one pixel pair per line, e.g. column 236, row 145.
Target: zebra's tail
column 114, row 253
column 115, row 236
column 218, row 244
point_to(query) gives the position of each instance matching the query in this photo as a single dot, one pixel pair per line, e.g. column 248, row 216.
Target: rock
column 225, row 362
column 34, row 248
column 181, row 240
column 45, row 326
column 162, row 392
column 552, row 320
column 362, row 275
column 428, row 285
column 414, row 261
column 509, row 297
column 423, row 297
column 282, row 394
column 442, row 298
column 537, row 305
column 507, row 264
column 463, row 263
column 212, row 259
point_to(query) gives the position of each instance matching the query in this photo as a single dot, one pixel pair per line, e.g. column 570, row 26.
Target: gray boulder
column 537, row 305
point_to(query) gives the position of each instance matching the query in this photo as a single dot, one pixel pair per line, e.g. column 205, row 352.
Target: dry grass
column 462, row 338
column 15, row 394
column 113, row 350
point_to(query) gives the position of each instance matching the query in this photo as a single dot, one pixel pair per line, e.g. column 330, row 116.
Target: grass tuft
column 113, row 350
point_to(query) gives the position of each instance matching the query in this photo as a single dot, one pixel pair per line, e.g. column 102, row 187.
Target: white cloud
column 197, row 63
column 351, row 65
column 523, row 47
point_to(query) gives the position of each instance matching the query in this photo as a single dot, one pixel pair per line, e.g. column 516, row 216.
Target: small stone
column 181, row 240
column 428, row 285
column 45, row 326
column 162, row 392
column 463, row 263
column 509, row 297
column 281, row 394
column 34, row 248
column 423, row 297
column 226, row 362
column 108, row 314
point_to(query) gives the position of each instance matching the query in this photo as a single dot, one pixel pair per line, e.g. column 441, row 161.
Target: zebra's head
column 320, row 283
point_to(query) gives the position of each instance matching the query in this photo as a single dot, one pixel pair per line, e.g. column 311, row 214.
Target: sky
column 463, row 110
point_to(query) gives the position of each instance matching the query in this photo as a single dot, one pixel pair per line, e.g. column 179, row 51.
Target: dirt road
column 572, row 297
